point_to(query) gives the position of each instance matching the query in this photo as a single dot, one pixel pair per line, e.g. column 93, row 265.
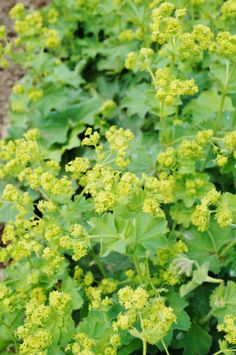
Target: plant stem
column 12, row 335
column 213, row 280
column 151, row 74
column 212, row 241
column 162, row 119
column 99, row 264
column 207, row 158
column 229, row 246
column 139, row 271
column 165, row 347
column 147, row 269
column 229, row 76
column 206, row 318
column 225, row 351
column 220, row 110
column 144, row 347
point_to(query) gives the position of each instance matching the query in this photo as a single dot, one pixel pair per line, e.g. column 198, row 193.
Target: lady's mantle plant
column 59, row 296
column 119, row 252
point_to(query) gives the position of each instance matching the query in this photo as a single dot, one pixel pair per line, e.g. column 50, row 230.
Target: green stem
column 99, row 264
column 213, row 280
column 162, row 119
column 212, row 241
column 207, row 158
column 135, row 12
column 165, row 347
column 206, row 318
column 12, row 335
column 229, row 246
column 151, row 74
column 147, row 269
column 144, row 347
column 220, row 110
column 225, row 351
column 139, row 271
column 192, row 12
column 229, row 76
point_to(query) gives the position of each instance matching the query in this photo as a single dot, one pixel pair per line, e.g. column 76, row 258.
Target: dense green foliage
column 118, row 179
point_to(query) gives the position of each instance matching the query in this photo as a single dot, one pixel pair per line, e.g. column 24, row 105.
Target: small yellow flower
column 35, row 94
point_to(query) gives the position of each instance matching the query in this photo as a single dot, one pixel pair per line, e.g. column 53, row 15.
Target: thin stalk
column 212, row 241
column 165, row 347
column 225, row 351
column 134, row 10
column 139, row 271
column 213, row 280
column 229, row 76
column 220, row 110
column 162, row 119
column 151, row 74
column 99, row 264
column 147, row 269
column 207, row 158
column 143, row 340
column 229, row 246
column 206, row 318
column 192, row 13
column 12, row 335
column 143, row 22
column 144, row 347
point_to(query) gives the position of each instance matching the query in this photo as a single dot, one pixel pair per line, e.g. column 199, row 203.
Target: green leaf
column 55, row 350
column 178, row 304
column 199, row 276
column 206, row 246
column 181, row 214
column 69, row 287
column 197, row 341
column 140, row 106
column 143, row 154
column 5, row 337
column 227, row 202
column 7, row 212
column 105, row 230
column 55, row 126
column 148, row 234
column 219, row 73
column 136, row 344
column 97, row 326
column 62, row 75
column 141, row 234
column 113, row 57
column 223, row 300
column 206, row 106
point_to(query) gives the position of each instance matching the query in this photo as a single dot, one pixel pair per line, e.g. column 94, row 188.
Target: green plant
column 74, row 54
column 150, row 251
column 129, row 246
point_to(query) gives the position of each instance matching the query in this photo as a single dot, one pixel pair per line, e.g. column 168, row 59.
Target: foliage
column 118, row 179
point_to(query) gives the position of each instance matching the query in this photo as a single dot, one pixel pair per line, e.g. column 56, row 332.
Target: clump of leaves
column 129, row 246
column 102, row 259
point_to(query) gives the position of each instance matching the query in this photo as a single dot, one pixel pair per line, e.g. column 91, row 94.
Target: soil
column 9, row 76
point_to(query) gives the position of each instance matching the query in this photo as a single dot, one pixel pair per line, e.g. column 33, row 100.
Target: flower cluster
column 36, row 334
column 118, row 140
column 169, row 88
column 28, row 25
column 229, row 327
column 154, row 316
column 167, row 272
column 165, row 26
column 123, row 202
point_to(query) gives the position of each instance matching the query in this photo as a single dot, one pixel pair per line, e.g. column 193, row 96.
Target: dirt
column 9, row 76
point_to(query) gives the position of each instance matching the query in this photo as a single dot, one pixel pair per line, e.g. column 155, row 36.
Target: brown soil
column 9, row 76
